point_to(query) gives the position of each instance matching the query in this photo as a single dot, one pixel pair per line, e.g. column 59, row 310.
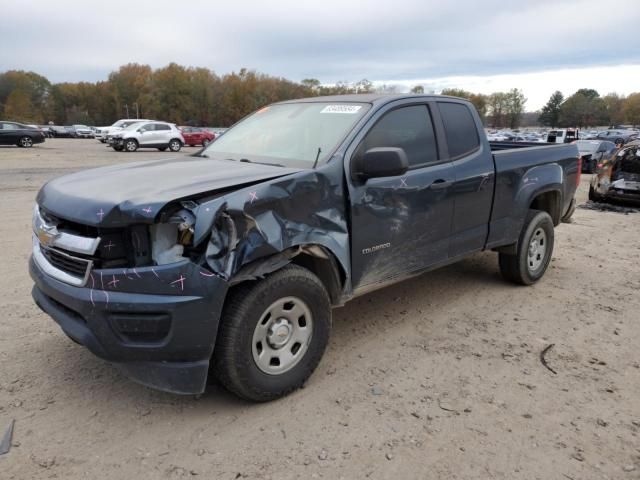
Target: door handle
column 440, row 184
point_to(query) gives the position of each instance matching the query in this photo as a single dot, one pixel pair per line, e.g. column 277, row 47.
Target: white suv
column 160, row 135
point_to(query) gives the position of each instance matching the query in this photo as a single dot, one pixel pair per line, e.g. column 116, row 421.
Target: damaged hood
column 134, row 193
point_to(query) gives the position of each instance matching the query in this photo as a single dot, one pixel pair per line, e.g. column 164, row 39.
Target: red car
column 197, row 136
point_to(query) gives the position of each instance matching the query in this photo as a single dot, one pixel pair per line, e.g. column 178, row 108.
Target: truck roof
column 373, row 98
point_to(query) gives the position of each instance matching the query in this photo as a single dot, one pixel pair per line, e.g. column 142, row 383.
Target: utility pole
column 137, row 111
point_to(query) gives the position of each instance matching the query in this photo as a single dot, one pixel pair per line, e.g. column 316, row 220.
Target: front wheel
column 175, row 145
column 273, row 334
column 25, row 142
column 205, row 142
column 130, row 145
column 533, row 254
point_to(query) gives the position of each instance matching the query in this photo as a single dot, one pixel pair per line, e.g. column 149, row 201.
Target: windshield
column 292, row 135
column 132, row 125
column 587, row 147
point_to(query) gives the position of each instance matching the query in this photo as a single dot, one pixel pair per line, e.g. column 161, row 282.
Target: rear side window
column 161, row 126
column 409, row 128
column 460, row 129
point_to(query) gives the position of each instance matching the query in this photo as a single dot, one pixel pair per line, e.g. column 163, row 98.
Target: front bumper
column 160, row 332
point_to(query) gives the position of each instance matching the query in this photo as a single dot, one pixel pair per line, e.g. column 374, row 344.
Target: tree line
column 198, row 96
column 586, row 108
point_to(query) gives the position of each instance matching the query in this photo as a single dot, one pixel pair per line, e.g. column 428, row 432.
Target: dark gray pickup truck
column 229, row 262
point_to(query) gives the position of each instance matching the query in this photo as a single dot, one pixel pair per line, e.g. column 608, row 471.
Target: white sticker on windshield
column 351, row 109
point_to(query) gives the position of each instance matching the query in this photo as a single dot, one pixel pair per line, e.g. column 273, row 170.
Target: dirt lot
column 437, row 377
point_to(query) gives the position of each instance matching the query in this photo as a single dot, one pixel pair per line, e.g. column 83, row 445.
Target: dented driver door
column 401, row 225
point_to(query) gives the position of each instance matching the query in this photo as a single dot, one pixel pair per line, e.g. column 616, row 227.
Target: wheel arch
column 316, row 258
column 549, row 201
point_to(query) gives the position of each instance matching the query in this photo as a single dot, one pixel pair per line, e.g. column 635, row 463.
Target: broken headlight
column 169, row 240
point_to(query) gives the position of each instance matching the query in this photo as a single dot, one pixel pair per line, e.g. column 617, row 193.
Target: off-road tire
column 233, row 361
column 515, row 268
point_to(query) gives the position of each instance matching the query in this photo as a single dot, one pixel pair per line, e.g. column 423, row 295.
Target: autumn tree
column 18, row 107
column 632, row 109
column 550, row 115
column 615, row 108
column 31, row 104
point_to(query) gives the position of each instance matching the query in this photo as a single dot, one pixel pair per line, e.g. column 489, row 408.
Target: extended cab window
column 409, row 128
column 460, row 129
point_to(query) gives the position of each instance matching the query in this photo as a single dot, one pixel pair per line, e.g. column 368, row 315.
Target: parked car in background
column 101, row 133
column 197, row 136
column 47, row 130
column 618, row 178
column 216, row 131
column 160, row 135
column 593, row 152
column 82, row 131
column 14, row 133
column 618, row 136
column 58, row 131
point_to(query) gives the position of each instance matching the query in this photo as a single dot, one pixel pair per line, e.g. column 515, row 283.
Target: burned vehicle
column 618, row 177
column 230, row 261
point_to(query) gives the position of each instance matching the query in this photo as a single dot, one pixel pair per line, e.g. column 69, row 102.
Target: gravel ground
column 436, row 377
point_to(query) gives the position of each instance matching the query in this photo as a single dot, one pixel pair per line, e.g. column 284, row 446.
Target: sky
column 480, row 45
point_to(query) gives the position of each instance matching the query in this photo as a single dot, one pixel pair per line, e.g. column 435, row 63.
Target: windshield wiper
column 317, row 158
column 246, row 160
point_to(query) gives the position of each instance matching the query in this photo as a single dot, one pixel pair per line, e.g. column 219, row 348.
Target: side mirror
column 381, row 162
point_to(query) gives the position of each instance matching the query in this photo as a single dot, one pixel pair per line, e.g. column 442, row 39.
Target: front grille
column 75, row 266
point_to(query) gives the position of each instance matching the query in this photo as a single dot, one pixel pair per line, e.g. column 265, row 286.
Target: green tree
column 584, row 108
column 418, row 89
column 632, row 109
column 550, row 114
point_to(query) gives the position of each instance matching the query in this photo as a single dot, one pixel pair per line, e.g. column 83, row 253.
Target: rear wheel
column 175, row 145
column 25, row 142
column 273, row 334
column 130, row 145
column 533, row 255
column 205, row 142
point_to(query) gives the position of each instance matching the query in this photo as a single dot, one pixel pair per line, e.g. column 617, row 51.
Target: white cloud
column 469, row 41
column 538, row 86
